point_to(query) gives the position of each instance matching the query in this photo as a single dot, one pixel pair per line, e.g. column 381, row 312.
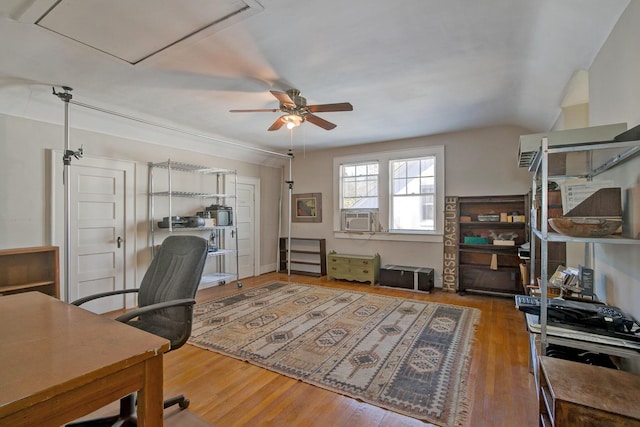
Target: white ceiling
column 409, row 67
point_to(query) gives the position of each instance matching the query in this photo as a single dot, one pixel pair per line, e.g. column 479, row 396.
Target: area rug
column 407, row 356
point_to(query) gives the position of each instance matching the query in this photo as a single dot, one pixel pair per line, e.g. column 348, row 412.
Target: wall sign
column 450, row 263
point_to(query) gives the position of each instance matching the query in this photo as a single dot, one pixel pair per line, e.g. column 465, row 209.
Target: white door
column 247, row 221
column 102, row 229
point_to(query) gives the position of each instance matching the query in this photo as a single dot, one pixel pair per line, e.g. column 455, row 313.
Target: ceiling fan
column 297, row 111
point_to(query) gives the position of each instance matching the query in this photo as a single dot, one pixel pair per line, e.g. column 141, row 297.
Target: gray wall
column 25, row 174
column 614, row 88
column 477, row 162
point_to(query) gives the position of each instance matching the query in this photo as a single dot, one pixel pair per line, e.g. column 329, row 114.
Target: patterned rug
column 407, row 356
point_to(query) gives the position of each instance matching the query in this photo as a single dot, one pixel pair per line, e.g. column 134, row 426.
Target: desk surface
column 49, row 347
column 608, row 390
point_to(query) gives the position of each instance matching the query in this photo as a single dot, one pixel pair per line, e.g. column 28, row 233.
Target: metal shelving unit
column 222, row 264
column 582, row 160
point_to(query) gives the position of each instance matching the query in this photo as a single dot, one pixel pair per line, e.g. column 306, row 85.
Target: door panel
column 245, row 222
column 248, row 206
column 97, row 210
column 101, row 210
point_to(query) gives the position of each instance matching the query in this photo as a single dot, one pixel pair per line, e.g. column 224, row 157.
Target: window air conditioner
column 357, row 221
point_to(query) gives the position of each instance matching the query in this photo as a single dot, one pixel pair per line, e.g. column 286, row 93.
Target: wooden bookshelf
column 30, row 269
column 484, row 265
column 308, row 256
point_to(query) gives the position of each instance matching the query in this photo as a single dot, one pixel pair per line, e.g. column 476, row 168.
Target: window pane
column 399, row 186
column 427, row 185
column 372, row 188
column 413, row 213
column 413, row 168
column 359, row 186
column 428, row 166
column 349, row 188
column 399, row 169
column 413, row 186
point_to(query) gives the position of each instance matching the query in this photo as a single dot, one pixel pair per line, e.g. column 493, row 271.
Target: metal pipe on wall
column 66, row 176
column 67, row 202
column 290, row 182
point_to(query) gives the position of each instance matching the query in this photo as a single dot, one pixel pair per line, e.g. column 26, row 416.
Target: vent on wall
column 530, row 144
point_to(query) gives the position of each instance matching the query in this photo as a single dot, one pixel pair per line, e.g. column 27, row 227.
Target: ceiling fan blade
column 277, row 124
column 319, row 122
column 269, row 110
column 325, row 108
column 284, row 98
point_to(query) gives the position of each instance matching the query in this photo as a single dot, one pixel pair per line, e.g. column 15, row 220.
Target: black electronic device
column 174, row 222
column 194, row 221
column 588, row 317
column 221, row 213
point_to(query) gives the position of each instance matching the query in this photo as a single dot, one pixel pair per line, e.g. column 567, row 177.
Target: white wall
column 478, row 162
column 614, row 87
column 25, row 175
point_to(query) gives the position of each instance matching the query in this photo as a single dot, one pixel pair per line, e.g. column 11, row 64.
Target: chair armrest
column 81, row 301
column 154, row 307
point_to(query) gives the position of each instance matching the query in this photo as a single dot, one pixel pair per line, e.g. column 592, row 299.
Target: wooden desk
column 59, row 362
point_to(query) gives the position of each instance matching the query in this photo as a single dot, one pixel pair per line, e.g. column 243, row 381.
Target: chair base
column 127, row 416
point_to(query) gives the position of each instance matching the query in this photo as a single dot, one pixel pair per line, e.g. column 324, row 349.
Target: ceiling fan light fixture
column 292, row 120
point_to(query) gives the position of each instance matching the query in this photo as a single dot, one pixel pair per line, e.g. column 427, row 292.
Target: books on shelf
column 504, row 242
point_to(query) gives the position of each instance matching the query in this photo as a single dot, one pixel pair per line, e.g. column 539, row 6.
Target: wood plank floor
column 228, row 392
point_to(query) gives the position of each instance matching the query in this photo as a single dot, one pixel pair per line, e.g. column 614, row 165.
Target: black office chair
column 165, row 308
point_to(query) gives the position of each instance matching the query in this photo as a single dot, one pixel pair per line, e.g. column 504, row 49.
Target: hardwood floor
column 228, row 392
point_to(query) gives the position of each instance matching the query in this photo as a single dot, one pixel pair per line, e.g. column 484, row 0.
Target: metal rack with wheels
column 220, row 190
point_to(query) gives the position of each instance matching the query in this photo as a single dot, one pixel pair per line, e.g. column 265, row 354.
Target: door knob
column 119, row 241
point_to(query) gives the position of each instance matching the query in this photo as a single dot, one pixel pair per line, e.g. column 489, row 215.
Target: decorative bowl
column 585, row 226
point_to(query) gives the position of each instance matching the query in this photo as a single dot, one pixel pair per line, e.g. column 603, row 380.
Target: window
column 413, row 194
column 402, row 192
column 359, row 183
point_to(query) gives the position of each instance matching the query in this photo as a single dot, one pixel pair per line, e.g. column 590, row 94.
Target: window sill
column 401, row 237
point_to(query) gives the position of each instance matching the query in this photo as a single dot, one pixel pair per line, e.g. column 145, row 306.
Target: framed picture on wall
column 306, row 207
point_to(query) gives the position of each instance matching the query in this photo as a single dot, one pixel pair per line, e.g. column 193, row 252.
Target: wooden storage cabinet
column 485, row 266
column 30, row 269
column 308, row 256
column 577, row 394
column 360, row 268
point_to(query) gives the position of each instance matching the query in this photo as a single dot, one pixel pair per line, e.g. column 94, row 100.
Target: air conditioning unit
column 530, row 144
column 357, row 221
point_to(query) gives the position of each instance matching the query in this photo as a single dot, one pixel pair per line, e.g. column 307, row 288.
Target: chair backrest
column 174, row 273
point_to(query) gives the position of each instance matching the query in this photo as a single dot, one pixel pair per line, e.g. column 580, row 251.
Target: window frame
column 384, row 159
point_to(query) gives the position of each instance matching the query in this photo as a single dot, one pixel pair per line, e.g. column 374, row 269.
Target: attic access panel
column 137, row 30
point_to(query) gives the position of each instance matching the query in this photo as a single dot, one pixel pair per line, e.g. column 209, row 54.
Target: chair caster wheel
column 239, row 284
column 184, row 404
column 222, row 283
